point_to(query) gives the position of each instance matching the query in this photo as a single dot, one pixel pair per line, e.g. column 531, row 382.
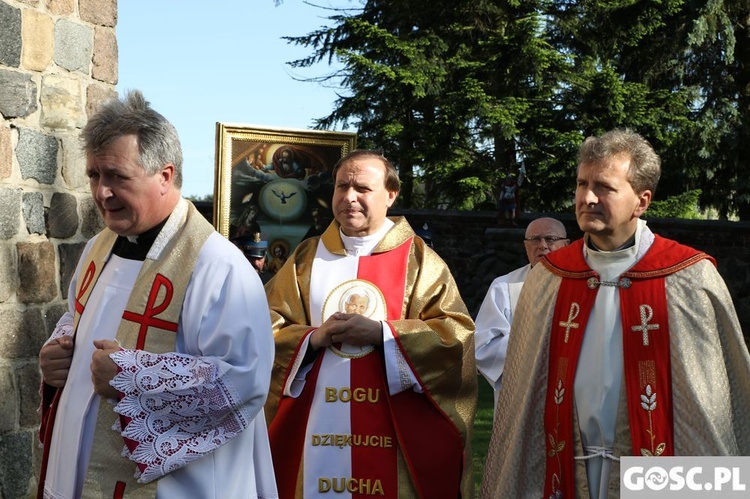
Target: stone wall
column 58, row 62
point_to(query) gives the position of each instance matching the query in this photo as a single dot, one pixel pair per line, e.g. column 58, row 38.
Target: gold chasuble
column 149, row 323
column 343, row 425
column 686, row 383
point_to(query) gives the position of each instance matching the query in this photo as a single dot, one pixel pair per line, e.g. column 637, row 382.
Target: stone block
column 10, row 212
column 52, row 316
column 28, row 378
column 33, row 212
column 18, row 98
column 8, row 401
column 62, row 103
column 74, row 163
column 37, row 155
column 10, row 35
column 23, row 333
column 69, row 255
column 38, row 40
column 36, row 272
column 60, row 7
column 63, row 215
column 102, row 12
column 6, row 152
column 96, row 95
column 16, row 469
column 105, row 55
column 92, row 222
column 7, row 271
column 73, row 45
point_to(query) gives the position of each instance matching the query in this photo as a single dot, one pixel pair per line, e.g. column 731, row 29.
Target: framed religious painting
column 276, row 182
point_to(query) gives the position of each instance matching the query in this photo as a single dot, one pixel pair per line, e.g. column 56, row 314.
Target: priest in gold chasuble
column 374, row 382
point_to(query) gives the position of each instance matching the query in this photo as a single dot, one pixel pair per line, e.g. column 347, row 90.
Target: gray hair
column 158, row 141
column 645, row 165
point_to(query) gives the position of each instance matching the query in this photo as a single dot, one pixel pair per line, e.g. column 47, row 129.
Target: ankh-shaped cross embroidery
column 647, row 313
column 575, row 309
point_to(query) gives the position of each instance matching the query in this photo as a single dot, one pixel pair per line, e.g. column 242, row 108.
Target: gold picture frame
column 276, row 180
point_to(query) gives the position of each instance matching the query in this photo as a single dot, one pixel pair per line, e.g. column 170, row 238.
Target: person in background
column 496, row 312
column 624, row 343
column 254, row 249
column 155, row 378
column 381, row 404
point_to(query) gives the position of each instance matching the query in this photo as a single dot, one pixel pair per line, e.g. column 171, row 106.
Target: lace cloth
column 179, row 409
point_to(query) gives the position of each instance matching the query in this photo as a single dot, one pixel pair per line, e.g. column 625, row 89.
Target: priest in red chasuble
column 374, row 383
column 156, row 376
column 623, row 344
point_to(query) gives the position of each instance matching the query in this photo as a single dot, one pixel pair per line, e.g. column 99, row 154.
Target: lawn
column 482, row 430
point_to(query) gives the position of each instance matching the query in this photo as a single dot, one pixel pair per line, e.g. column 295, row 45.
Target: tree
column 459, row 92
column 678, row 72
column 445, row 88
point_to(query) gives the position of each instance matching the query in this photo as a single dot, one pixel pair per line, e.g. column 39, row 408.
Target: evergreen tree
column 459, row 92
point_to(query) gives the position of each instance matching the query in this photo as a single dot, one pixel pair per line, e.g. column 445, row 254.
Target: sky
column 200, row 63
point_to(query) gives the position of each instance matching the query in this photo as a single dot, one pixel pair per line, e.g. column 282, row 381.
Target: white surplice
column 493, row 323
column 224, row 346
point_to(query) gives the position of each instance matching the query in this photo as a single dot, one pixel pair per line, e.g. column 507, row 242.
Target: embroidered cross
column 647, row 313
column 572, row 314
column 88, row 277
column 148, row 319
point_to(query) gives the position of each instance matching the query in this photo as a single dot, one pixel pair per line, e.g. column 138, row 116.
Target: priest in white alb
column 374, row 383
column 155, row 379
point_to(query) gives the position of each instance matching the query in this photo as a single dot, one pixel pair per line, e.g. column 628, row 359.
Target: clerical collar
column 362, row 246
column 137, row 247
column 628, row 244
column 611, row 264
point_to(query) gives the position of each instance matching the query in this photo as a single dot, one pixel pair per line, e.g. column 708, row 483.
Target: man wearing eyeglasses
column 624, row 343
column 496, row 313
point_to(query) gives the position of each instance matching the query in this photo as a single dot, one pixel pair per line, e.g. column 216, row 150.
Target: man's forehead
column 360, row 170
column 543, row 228
column 609, row 163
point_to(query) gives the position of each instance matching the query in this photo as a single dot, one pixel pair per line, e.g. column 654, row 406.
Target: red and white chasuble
column 685, row 388
column 645, row 326
column 372, row 426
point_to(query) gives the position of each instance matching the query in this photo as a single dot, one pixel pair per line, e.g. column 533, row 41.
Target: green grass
column 482, row 430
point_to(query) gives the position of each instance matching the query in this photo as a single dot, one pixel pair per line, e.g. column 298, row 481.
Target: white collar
column 363, row 246
column 610, row 264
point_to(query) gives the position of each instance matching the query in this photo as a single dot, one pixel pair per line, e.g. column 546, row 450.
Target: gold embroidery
column 347, row 355
column 646, row 372
column 648, row 403
column 647, row 313
column 341, row 440
column 555, row 447
column 364, row 486
column 575, row 309
column 371, row 395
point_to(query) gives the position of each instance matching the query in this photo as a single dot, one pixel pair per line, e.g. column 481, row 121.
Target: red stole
column 429, row 441
column 645, row 326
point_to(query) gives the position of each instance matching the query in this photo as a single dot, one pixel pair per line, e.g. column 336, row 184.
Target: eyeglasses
column 549, row 240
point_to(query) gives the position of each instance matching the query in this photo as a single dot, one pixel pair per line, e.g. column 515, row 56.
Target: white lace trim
column 179, row 409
